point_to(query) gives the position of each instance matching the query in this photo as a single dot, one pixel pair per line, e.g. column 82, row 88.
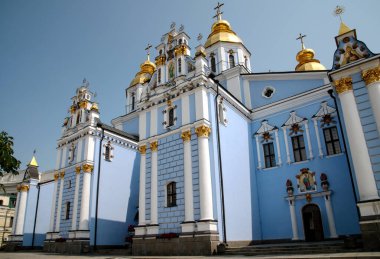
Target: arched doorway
column 312, row 223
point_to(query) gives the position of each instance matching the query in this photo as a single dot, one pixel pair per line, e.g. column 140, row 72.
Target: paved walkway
column 35, row 255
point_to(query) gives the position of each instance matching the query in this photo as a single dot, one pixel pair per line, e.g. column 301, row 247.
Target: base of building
column 370, row 224
column 199, row 244
column 69, row 246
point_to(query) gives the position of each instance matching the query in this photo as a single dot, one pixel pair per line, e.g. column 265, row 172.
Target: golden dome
column 221, row 32
column 306, row 61
column 144, row 75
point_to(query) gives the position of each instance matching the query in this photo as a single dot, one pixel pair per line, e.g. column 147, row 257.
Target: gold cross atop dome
column 218, row 14
column 148, row 50
column 301, row 39
column 339, row 10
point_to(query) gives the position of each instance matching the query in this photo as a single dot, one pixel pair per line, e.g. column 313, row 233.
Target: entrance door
column 312, row 223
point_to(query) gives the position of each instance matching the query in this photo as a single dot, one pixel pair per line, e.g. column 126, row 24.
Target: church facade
column 210, row 153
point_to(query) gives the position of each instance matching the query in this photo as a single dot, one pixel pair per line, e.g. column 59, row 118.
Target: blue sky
column 47, row 47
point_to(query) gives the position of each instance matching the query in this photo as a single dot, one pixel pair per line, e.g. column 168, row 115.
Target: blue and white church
column 210, row 152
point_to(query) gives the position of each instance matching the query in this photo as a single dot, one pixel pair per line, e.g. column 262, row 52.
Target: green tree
column 8, row 163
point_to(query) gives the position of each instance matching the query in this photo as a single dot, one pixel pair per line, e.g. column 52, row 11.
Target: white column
column 293, row 218
column 306, row 123
column 188, row 178
column 59, row 207
column 52, row 213
column 330, row 217
column 153, row 184
column 85, row 202
column 286, row 145
column 90, row 148
column 142, row 150
column 278, row 147
column 258, row 152
column 359, row 152
column 185, row 109
column 79, row 150
column 201, row 104
column 205, row 187
column 247, row 94
column 76, row 197
column 372, row 80
column 63, row 160
column 320, row 152
column 21, row 210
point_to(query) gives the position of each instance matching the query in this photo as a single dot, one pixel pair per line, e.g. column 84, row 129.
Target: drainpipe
column 212, row 77
column 99, row 124
column 35, row 214
column 331, row 93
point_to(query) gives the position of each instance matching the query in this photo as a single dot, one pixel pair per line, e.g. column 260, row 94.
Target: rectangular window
column 332, row 141
column 299, row 151
column 171, row 194
column 67, row 216
column 11, row 222
column 269, row 157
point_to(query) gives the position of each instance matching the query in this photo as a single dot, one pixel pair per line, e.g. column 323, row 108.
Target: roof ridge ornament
column 218, row 14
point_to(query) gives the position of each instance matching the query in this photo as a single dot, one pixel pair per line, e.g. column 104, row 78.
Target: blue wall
column 132, row 126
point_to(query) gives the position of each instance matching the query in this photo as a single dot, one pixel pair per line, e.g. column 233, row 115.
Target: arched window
column 72, row 152
column 1, row 202
column 108, row 151
column 69, row 184
column 133, row 100
column 180, row 41
column 179, row 65
column 213, row 64
column 246, row 61
column 171, row 195
column 67, row 216
column 184, row 41
column 231, row 60
column 78, row 117
column 159, row 75
column 160, row 52
column 171, row 117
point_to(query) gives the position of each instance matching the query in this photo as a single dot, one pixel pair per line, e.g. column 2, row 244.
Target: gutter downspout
column 331, row 93
column 35, row 214
column 99, row 124
column 212, row 76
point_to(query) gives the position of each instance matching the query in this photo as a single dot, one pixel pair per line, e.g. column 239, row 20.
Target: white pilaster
column 59, row 207
column 21, row 210
column 52, row 213
column 359, row 152
column 79, row 150
column 153, row 185
column 374, row 97
column 90, row 148
column 85, row 202
column 16, row 213
column 64, row 154
column 58, row 159
column 320, row 152
column 153, row 122
column 185, row 109
column 293, row 218
column 142, row 125
column 330, row 217
column 258, row 152
column 247, row 94
column 142, row 150
column 76, row 197
column 278, row 148
column 308, row 139
column 222, row 59
column 286, row 145
column 205, row 187
column 188, row 182
column 201, row 104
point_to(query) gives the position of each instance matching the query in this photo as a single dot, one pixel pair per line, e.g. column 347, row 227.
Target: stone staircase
column 325, row 247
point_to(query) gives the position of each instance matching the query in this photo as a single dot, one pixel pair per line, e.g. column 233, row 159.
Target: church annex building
column 209, row 152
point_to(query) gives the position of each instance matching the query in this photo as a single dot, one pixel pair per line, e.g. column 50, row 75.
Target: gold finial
column 148, row 50
column 218, row 14
column 301, row 39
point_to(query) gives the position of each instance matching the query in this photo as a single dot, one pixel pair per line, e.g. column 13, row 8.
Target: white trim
column 308, row 139
column 201, row 105
column 153, row 122
column 278, row 148
column 185, row 105
column 258, row 152
column 142, row 125
column 247, row 94
column 315, row 121
column 286, row 76
column 286, row 145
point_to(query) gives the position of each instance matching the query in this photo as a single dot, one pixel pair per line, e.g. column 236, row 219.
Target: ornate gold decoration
column 200, row 53
column 203, row 131
column 154, row 146
column 18, row 187
column 344, row 84
column 142, row 149
column 73, row 109
column 186, row 136
column 371, row 75
column 95, row 107
column 83, row 104
column 77, row 169
column 56, row 176
column 87, row 168
column 180, row 50
column 62, row 174
column 308, row 197
column 169, row 103
column 24, row 188
column 146, row 71
column 160, row 60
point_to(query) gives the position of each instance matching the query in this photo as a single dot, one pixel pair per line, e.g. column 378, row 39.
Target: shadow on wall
column 38, row 239
column 133, row 202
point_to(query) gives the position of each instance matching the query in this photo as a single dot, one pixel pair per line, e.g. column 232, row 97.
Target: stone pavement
column 38, row 255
